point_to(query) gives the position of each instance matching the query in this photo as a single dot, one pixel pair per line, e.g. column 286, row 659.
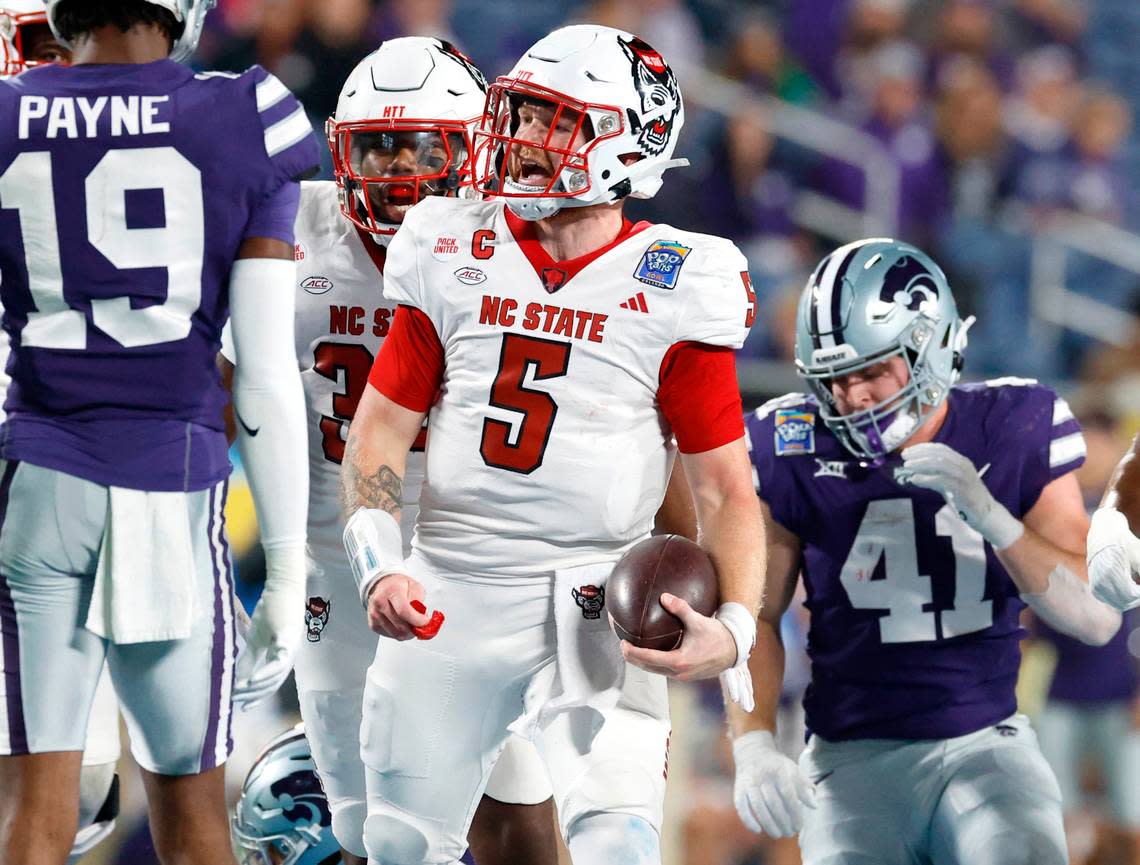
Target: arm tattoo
column 382, row 489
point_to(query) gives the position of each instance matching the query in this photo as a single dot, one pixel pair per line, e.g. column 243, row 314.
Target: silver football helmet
column 191, row 14
column 283, row 817
column 866, row 302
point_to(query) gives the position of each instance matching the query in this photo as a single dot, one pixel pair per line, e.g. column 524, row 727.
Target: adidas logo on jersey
column 636, row 303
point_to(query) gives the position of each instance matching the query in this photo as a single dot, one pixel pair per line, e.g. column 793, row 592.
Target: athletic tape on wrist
column 742, row 625
column 375, row 547
column 747, row 744
column 1001, row 528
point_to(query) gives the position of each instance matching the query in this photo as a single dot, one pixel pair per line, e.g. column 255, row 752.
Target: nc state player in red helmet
column 565, row 355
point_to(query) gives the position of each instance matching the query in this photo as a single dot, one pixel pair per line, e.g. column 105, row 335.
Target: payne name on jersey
column 92, row 117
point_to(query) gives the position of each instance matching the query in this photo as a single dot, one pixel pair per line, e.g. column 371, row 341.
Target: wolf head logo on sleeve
column 591, row 599
column 316, row 617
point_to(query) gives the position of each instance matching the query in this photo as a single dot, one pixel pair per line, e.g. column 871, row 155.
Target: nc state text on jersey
column 352, row 320
column 545, row 317
column 83, row 117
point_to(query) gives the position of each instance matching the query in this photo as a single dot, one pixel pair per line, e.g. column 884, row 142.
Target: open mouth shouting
column 531, row 169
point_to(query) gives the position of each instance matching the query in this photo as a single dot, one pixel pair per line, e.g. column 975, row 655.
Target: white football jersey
column 342, row 318
column 548, row 446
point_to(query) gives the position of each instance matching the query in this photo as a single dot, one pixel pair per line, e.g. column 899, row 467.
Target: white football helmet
column 617, row 91
column 15, row 15
column 402, row 130
column 191, row 14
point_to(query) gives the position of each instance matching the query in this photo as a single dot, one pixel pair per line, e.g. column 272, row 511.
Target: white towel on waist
column 144, row 583
column 588, row 669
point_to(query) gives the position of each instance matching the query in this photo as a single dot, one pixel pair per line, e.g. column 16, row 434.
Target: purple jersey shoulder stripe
column 287, row 134
column 1066, row 442
column 10, row 642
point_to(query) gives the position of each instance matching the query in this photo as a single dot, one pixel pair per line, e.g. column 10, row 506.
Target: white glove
column 737, row 679
column 1113, row 560
column 276, row 628
column 770, row 790
column 944, row 470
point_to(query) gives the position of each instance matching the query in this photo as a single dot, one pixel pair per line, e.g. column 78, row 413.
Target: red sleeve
column 409, row 368
column 699, row 396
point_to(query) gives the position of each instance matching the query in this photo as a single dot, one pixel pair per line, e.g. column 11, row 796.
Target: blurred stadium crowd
column 997, row 134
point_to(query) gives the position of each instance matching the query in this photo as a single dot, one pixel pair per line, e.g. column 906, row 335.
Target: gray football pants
column 987, row 798
column 174, row 694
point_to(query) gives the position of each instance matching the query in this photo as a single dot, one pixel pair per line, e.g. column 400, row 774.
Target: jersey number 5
column 523, row 451
column 888, row 533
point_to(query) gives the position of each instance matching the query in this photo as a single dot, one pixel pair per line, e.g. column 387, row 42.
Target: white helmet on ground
column 620, row 95
column 402, row 129
column 190, row 14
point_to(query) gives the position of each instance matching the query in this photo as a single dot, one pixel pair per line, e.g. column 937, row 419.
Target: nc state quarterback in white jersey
column 402, row 132
column 560, row 350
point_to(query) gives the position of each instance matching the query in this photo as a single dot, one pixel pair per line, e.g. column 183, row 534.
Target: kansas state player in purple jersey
column 924, row 516
column 140, row 205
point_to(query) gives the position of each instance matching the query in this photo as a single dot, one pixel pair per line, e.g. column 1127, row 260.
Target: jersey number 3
column 352, row 361
column 523, row 451
column 888, row 532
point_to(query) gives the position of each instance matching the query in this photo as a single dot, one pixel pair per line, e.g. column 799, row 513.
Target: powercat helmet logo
column 660, row 96
column 909, row 284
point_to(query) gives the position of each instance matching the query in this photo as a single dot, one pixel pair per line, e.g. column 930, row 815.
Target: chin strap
column 645, row 168
column 534, row 209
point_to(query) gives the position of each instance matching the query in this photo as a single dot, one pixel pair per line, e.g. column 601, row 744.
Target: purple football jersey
column 1094, row 674
column 125, row 193
column 914, row 621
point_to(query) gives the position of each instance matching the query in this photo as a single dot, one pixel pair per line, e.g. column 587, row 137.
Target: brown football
column 666, row 563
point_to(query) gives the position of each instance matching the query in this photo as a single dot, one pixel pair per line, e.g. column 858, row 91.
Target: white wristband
column 742, row 625
column 1001, row 528
column 375, row 547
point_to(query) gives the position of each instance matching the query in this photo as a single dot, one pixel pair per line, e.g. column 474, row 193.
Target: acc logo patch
column 317, row 284
column 470, row 275
column 795, row 432
column 661, row 264
column 316, row 617
column 591, row 599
